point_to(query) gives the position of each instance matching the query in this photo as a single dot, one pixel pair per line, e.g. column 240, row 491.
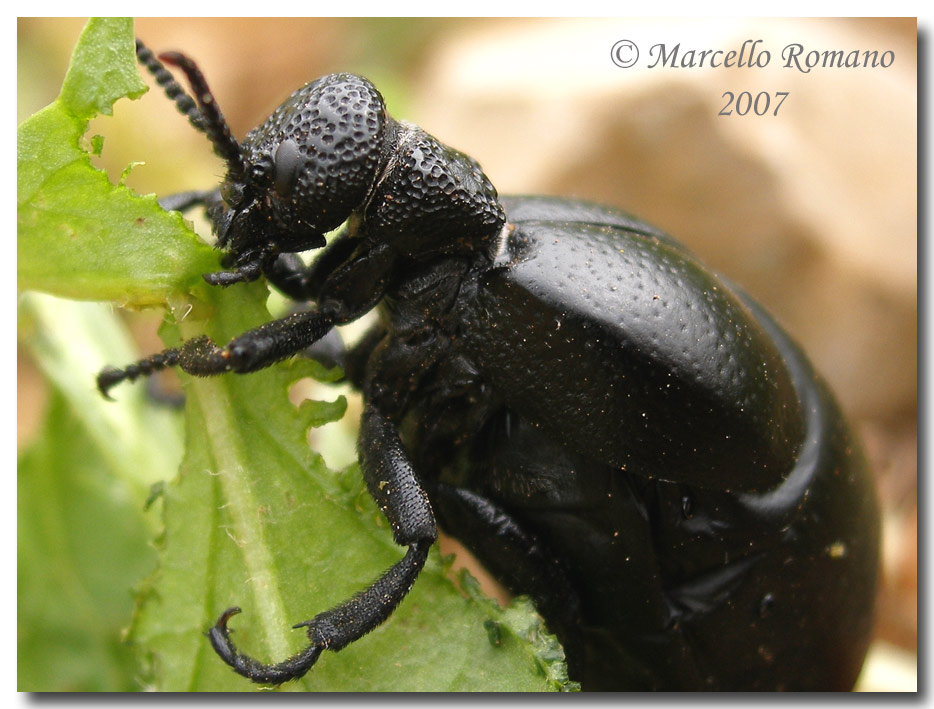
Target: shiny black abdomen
column 672, row 451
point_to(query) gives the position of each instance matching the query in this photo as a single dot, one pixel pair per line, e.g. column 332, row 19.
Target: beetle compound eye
column 287, row 161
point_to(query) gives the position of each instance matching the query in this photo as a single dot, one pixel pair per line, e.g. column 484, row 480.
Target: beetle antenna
column 202, row 111
column 185, row 103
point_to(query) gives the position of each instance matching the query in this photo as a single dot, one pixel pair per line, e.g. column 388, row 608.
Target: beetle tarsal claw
column 108, row 378
column 291, row 668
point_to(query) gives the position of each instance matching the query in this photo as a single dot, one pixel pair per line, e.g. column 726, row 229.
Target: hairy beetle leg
column 109, row 377
column 332, row 630
column 397, row 490
column 199, row 356
column 253, row 350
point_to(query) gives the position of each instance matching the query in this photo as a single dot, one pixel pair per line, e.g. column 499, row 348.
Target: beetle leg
column 392, row 481
column 244, row 273
column 345, row 299
column 332, row 630
column 397, row 490
column 253, row 350
column 289, row 274
column 331, row 352
column 513, row 555
column 292, row 668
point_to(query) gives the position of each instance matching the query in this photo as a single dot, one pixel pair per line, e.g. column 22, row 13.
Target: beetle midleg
column 395, row 487
column 392, row 480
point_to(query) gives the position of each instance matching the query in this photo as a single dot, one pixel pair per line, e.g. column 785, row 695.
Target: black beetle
column 609, row 427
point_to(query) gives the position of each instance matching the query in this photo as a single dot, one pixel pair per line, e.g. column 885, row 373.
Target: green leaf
column 102, row 69
column 71, row 342
column 253, row 517
column 520, row 621
column 107, row 243
column 84, row 541
column 77, row 535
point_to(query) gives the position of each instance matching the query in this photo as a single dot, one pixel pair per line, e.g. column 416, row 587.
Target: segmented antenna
column 172, row 88
column 203, row 115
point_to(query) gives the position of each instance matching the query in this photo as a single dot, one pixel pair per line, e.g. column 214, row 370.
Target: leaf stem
column 232, row 468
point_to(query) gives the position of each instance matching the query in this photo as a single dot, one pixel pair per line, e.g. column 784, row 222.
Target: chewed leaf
column 78, row 235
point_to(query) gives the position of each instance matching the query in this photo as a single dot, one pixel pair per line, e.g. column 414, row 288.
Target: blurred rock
column 813, row 210
column 888, row 669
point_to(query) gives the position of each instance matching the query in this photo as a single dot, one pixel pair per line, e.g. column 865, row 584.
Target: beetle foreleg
column 289, row 274
column 253, row 350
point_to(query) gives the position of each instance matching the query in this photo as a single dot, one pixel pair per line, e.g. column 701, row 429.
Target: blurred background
column 812, row 210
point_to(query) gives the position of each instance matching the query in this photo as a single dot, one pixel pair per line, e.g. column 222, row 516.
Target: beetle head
column 328, row 153
column 310, row 165
column 297, row 176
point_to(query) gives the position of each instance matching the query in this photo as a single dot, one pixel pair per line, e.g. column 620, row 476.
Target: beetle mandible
column 609, row 427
